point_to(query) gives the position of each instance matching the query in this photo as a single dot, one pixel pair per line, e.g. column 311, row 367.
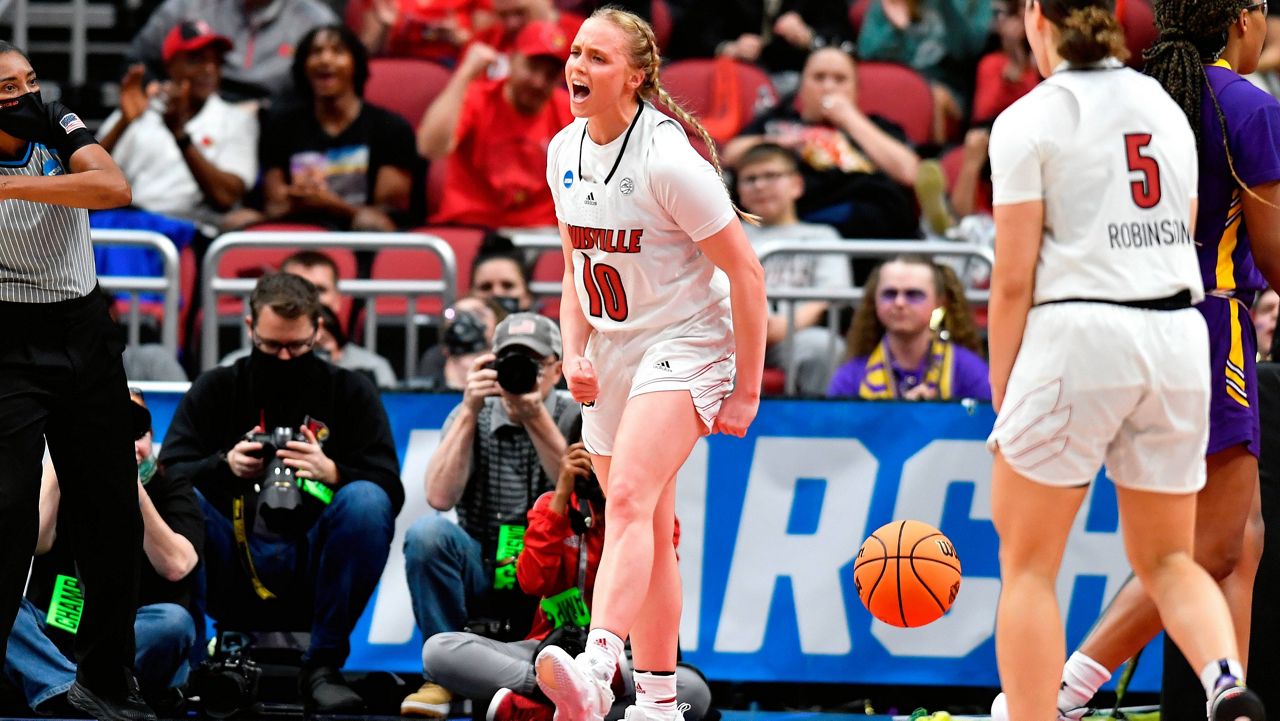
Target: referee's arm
column 95, row 182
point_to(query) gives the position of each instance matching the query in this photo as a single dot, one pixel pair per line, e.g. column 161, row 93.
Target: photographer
column 173, row 532
column 500, row 450
column 563, row 524
column 316, row 545
column 468, row 332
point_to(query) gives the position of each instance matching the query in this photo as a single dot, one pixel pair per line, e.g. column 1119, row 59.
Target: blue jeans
column 445, row 569
column 322, row 580
column 34, row 665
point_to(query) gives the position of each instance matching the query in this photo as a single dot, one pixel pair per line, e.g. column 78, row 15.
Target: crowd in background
column 252, row 114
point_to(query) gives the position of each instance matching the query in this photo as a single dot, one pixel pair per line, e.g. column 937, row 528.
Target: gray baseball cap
column 536, row 332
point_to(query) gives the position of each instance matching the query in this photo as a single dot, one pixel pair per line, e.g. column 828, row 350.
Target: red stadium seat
column 256, row 262
column 723, row 94
column 857, row 12
column 549, row 267
column 773, row 382
column 1139, row 28
column 951, row 162
column 401, row 263
column 405, row 86
column 435, row 186
column 897, row 93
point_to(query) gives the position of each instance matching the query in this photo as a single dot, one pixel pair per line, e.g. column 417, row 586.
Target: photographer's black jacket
column 225, row 403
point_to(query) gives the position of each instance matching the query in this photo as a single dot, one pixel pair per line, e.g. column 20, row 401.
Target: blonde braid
column 645, row 55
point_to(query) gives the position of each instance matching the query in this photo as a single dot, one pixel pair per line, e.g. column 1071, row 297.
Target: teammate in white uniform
column 663, row 305
column 1096, row 352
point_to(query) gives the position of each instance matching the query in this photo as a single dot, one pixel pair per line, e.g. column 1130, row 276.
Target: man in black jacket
column 318, row 550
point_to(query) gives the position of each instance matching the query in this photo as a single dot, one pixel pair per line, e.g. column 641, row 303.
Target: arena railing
column 445, row 287
column 168, row 284
column 535, row 244
column 852, row 249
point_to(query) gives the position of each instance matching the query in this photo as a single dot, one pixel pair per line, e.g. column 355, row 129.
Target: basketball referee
column 62, row 382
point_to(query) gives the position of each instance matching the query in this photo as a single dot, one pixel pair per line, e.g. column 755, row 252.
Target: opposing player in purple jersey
column 1203, row 48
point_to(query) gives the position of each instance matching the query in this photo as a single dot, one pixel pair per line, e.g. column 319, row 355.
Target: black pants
column 62, row 382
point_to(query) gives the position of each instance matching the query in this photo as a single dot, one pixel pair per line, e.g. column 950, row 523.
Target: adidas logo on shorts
column 663, row 366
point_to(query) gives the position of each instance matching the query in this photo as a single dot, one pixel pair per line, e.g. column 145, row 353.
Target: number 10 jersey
column 635, row 209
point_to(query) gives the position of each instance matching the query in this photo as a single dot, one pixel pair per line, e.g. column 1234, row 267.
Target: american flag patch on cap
column 522, row 327
column 70, row 122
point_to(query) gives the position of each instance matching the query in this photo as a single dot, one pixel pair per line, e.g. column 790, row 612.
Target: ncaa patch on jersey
column 568, row 178
column 71, row 122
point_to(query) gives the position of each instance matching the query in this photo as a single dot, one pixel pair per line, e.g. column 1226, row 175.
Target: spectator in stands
column 940, row 39
column 173, row 533
column 510, row 17
column 769, row 184
column 321, row 561
column 1264, row 321
column 562, row 524
column 335, row 160
column 435, row 30
column 501, row 273
column 322, row 272
column 913, row 338
column 856, row 167
column 493, row 134
column 1006, row 74
column 264, row 34
column 146, row 361
column 468, row 332
column 186, row 152
column 500, row 449
column 776, row 35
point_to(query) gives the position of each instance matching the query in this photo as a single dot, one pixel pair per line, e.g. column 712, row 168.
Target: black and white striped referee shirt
column 45, row 251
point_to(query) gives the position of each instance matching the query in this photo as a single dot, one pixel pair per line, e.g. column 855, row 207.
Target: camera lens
column 517, row 373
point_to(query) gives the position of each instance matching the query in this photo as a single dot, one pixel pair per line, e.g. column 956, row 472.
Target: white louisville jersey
column 1114, row 160
column 636, row 208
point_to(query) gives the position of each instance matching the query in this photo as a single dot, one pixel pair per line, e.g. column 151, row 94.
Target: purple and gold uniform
column 1231, row 278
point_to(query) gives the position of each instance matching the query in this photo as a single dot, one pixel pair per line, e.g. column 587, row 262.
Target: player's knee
column 1220, row 556
column 627, row 504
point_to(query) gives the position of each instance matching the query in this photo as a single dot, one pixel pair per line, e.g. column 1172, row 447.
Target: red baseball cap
column 540, row 37
column 192, row 35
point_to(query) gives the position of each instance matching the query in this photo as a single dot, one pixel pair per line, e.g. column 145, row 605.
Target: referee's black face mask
column 25, row 117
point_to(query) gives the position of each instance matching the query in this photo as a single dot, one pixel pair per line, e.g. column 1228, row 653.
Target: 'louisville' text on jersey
column 1148, row 235
column 606, row 239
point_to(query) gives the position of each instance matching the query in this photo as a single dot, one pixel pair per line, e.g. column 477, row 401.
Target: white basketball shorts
column 1099, row 383
column 695, row 356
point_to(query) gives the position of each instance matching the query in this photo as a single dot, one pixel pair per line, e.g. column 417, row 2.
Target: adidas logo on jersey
column 663, row 366
column 591, row 199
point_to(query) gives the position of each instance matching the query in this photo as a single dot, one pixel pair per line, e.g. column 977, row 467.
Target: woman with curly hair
column 898, row 351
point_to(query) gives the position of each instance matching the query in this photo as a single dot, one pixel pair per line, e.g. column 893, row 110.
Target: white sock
column 656, row 691
column 604, row 648
column 1214, row 671
column 1081, row 679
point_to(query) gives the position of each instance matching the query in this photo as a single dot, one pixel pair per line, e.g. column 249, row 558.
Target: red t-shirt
column 993, row 93
column 497, row 173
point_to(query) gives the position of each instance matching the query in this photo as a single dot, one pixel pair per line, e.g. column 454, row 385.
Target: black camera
column 228, row 684
column 517, row 372
column 280, row 499
column 465, row 334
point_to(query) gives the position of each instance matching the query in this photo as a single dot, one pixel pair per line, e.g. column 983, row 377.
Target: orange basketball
column 907, row 574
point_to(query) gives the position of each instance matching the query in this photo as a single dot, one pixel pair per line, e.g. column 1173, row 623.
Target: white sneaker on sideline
column 578, row 691
column 1000, row 711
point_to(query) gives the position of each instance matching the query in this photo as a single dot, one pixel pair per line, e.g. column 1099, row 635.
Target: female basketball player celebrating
column 1202, row 45
column 1096, row 352
column 663, row 300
